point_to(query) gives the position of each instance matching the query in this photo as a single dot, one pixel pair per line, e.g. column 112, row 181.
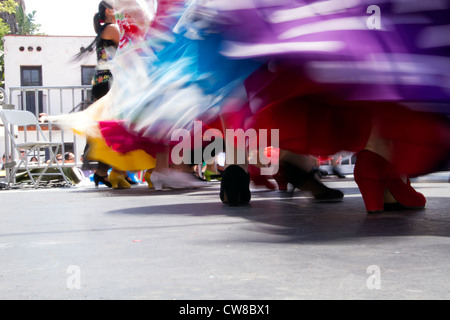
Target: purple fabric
column 398, row 62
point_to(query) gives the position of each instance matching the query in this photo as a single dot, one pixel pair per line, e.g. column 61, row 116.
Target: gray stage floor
column 88, row 243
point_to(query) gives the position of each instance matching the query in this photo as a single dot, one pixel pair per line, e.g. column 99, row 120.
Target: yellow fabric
column 85, row 123
column 131, row 161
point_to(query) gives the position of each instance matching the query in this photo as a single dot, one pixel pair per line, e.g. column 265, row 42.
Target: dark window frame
column 91, row 75
column 29, row 100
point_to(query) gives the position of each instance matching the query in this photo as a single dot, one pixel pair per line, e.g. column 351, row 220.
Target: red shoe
column 374, row 175
column 258, row 179
column 281, row 181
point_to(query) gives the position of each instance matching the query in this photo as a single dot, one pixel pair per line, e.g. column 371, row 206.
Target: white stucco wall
column 56, row 55
column 56, row 60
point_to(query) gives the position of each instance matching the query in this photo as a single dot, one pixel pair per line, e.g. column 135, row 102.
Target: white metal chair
column 13, row 118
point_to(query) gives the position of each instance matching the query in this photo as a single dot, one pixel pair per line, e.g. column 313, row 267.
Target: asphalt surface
column 97, row 243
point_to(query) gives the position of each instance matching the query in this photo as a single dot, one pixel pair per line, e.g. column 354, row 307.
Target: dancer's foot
column 147, row 178
column 306, row 181
column 118, row 180
column 174, row 179
column 376, row 178
column 235, row 186
column 101, row 179
column 258, row 179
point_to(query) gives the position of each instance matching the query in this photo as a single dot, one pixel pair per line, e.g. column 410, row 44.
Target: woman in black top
column 105, row 44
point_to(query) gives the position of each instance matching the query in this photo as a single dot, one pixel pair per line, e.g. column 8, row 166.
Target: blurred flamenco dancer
column 175, row 78
column 331, row 82
column 117, row 33
column 105, row 44
column 315, row 71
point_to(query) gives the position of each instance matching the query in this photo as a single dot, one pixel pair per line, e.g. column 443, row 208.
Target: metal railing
column 68, row 99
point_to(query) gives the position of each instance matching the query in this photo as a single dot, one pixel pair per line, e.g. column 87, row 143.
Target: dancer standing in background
column 105, row 45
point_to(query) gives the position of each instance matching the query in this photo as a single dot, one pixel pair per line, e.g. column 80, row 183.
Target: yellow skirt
column 131, row 161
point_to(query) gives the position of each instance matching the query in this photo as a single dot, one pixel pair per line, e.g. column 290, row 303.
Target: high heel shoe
column 131, row 179
column 307, row 181
column 147, row 178
column 98, row 179
column 258, row 179
column 174, row 179
column 118, row 181
column 375, row 177
column 281, row 180
column 157, row 179
column 211, row 175
column 235, row 186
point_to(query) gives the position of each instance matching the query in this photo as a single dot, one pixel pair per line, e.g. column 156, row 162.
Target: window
column 87, row 73
column 32, row 77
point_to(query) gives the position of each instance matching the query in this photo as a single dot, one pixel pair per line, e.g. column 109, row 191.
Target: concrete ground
column 88, row 243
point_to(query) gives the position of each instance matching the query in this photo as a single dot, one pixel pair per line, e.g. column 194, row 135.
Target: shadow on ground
column 299, row 220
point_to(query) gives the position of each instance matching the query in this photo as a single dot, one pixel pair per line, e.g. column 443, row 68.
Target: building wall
column 53, row 53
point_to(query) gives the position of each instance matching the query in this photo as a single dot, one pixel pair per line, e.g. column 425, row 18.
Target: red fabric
column 320, row 120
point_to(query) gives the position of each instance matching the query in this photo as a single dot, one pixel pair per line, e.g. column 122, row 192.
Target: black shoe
column 130, row 181
column 337, row 172
column 98, row 179
column 308, row 182
column 235, row 186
